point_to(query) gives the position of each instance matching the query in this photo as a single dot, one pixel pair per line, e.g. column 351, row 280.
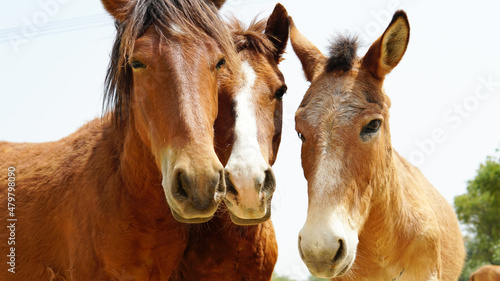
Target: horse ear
column 388, row 50
column 277, row 29
column 218, row 3
column 311, row 58
column 119, row 9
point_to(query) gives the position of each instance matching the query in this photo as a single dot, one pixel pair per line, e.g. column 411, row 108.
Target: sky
column 445, row 92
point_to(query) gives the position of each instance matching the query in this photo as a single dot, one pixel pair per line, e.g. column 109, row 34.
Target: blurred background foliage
column 479, row 212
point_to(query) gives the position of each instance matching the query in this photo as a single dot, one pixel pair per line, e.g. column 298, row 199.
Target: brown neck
column 387, row 190
column 141, row 176
column 128, row 165
column 381, row 232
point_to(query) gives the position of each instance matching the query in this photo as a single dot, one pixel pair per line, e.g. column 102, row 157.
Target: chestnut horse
column 219, row 249
column 250, row 129
column 486, row 273
column 95, row 205
column 371, row 215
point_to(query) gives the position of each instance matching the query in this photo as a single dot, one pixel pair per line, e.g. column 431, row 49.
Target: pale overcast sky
column 445, row 92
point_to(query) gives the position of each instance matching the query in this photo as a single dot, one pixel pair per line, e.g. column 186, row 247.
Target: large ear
column 388, row 50
column 277, row 29
column 119, row 9
column 312, row 59
column 218, row 3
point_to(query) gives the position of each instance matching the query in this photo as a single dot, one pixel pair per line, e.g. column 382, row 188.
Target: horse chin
column 240, row 221
column 242, row 215
column 182, row 219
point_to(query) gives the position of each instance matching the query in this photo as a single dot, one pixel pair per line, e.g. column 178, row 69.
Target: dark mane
column 200, row 18
column 251, row 37
column 342, row 53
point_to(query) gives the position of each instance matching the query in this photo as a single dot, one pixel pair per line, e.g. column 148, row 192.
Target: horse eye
column 137, row 64
column 301, row 137
column 371, row 127
column 220, row 63
column 281, row 92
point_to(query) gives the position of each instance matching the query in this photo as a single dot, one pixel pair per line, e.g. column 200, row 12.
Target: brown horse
column 371, row 215
column 251, row 128
column 486, row 273
column 95, row 205
column 219, row 249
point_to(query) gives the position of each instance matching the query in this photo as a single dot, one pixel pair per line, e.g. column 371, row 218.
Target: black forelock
column 342, row 52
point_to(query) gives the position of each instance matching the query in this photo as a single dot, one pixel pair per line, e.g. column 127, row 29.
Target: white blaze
column 246, row 165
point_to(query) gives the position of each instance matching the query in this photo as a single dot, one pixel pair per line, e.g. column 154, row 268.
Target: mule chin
column 240, row 221
column 327, row 270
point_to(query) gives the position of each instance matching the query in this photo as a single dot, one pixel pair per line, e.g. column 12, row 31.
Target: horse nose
column 265, row 183
column 249, row 193
column 200, row 191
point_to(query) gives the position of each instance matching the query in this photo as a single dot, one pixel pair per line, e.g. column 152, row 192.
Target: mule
column 371, row 214
column 486, row 273
column 100, row 204
column 219, row 249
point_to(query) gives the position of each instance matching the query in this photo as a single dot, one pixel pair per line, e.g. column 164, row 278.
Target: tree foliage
column 479, row 211
column 277, row 277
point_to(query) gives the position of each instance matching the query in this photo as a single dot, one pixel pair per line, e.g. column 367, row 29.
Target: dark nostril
column 269, row 182
column 181, row 186
column 230, row 186
column 300, row 248
column 340, row 252
column 221, row 183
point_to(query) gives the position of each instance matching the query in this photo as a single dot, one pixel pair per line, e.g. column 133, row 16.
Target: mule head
column 343, row 124
column 250, row 117
column 165, row 66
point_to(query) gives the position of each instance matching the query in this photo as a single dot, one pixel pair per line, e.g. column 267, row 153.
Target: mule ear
column 277, row 30
column 218, row 3
column 311, row 58
column 388, row 50
column 119, row 9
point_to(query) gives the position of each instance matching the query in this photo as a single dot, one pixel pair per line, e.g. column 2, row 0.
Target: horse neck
column 125, row 164
column 138, row 170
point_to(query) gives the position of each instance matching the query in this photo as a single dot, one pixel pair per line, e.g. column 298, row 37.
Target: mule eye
column 281, row 92
column 220, row 63
column 301, row 137
column 371, row 128
column 137, row 64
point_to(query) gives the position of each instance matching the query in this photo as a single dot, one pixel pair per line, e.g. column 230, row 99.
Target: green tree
column 479, row 211
column 277, row 277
